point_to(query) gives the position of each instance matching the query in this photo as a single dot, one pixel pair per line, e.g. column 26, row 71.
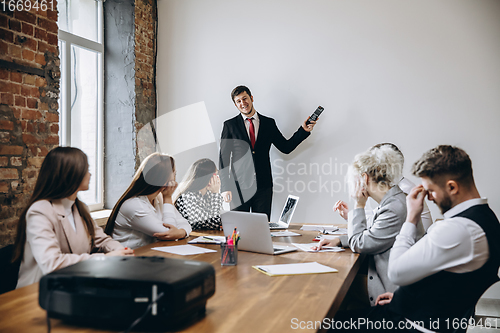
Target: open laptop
column 286, row 213
column 254, row 232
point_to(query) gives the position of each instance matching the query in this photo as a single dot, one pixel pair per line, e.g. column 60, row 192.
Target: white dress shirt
column 256, row 123
column 138, row 220
column 68, row 205
column 455, row 244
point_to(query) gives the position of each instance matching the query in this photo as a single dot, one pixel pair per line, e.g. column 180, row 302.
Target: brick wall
column 29, row 89
column 145, row 73
column 29, row 120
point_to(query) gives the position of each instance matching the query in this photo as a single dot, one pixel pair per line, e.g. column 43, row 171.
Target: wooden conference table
column 245, row 300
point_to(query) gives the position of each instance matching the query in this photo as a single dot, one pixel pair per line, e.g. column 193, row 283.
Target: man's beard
column 445, row 205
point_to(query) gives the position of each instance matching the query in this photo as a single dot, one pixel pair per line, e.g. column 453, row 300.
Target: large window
column 81, row 102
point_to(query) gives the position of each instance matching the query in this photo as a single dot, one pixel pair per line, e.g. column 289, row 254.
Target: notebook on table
column 254, row 232
column 286, row 213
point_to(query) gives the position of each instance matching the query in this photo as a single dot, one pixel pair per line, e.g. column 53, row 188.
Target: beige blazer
column 52, row 243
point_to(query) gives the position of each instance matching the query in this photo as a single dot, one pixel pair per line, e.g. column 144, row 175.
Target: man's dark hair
column 238, row 90
column 449, row 161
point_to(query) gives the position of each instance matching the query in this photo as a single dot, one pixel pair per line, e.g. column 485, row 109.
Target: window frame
column 69, row 40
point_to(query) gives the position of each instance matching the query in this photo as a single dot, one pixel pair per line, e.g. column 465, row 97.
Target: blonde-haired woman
column 145, row 212
column 374, row 174
column 55, row 229
column 198, row 198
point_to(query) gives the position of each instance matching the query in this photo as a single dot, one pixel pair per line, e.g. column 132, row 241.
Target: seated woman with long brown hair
column 145, row 212
column 55, row 229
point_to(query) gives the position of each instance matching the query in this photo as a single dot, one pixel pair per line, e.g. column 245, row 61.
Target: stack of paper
column 294, row 269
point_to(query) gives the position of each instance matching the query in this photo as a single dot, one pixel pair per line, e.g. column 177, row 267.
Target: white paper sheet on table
column 341, row 231
column 319, row 227
column 208, row 240
column 320, row 237
column 293, row 269
column 183, row 250
column 284, row 233
column 307, row 248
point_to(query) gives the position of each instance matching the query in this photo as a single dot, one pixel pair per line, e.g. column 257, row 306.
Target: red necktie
column 251, row 129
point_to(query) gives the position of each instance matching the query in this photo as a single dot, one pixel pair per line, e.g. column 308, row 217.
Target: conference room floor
column 245, row 300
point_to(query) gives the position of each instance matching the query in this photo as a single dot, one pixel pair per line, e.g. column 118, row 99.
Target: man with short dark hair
column 442, row 276
column 244, row 163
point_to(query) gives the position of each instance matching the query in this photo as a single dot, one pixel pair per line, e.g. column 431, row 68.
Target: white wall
column 416, row 73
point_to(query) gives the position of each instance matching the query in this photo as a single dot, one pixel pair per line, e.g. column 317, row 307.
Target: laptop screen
column 288, row 209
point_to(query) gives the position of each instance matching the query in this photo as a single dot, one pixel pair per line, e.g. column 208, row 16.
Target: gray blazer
column 376, row 237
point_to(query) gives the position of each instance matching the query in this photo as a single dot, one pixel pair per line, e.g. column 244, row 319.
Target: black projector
column 117, row 290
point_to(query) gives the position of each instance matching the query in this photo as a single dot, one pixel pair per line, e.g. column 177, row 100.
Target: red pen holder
column 228, row 254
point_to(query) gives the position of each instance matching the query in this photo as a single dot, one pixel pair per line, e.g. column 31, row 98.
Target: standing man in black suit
column 244, row 163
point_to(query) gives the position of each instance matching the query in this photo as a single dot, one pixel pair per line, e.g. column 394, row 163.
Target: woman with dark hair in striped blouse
column 198, row 198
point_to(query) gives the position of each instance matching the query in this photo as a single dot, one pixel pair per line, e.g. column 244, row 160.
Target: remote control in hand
column 315, row 115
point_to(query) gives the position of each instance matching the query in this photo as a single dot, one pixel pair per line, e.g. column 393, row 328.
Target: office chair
column 9, row 271
column 488, row 309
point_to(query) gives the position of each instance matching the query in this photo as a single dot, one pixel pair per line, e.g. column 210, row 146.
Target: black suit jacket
column 249, row 166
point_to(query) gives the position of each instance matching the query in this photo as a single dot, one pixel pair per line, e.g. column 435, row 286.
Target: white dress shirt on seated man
column 457, row 245
column 138, row 220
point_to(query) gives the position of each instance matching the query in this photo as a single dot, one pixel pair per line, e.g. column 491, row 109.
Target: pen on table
column 206, row 237
column 262, row 269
